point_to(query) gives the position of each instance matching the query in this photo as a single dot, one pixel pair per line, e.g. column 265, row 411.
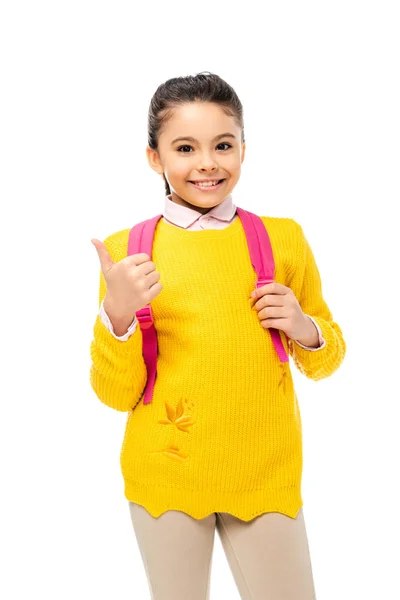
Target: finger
column 138, row 259
column 269, row 300
column 270, row 288
column 106, row 261
column 145, row 267
column 273, row 323
column 252, row 301
column 272, row 312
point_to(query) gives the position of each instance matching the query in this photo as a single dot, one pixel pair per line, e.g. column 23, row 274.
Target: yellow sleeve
column 307, row 287
column 118, row 372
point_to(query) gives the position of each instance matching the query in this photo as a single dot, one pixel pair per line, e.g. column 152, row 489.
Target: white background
column 319, row 83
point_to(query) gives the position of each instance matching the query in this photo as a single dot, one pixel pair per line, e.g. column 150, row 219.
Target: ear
column 154, row 160
column 243, row 151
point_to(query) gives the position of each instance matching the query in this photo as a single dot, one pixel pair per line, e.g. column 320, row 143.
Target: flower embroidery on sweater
column 174, row 452
column 283, row 379
column 176, row 417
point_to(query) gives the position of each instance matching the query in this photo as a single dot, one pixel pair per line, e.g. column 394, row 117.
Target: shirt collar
column 183, row 216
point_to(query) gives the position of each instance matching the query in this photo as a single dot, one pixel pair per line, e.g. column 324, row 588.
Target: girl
column 220, row 444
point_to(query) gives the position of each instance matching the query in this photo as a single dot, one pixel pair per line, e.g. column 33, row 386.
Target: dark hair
column 203, row 87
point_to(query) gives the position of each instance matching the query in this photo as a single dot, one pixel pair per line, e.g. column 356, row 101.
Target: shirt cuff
column 106, row 321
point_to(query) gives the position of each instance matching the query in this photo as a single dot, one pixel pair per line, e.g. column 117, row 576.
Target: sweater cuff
column 317, row 365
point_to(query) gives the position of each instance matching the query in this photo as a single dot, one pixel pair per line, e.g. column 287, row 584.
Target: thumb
column 106, row 261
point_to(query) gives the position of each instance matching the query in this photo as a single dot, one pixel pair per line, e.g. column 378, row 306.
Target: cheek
column 184, row 171
column 179, row 169
column 232, row 164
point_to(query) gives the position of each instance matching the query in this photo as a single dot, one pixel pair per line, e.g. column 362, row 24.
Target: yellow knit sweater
column 223, row 431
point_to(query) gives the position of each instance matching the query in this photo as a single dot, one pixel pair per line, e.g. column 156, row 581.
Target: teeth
column 206, row 183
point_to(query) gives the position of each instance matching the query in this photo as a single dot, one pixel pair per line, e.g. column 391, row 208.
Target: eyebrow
column 192, row 139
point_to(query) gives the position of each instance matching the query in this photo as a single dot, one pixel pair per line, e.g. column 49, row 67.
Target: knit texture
column 223, row 431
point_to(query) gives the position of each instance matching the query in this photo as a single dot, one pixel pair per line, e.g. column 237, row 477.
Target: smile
column 206, row 187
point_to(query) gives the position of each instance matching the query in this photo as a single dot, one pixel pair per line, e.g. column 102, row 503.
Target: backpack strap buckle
column 145, row 317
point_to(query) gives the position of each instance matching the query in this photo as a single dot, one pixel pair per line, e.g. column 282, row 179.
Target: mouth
column 207, row 186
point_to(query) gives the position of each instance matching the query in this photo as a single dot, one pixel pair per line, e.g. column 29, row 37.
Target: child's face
column 187, row 160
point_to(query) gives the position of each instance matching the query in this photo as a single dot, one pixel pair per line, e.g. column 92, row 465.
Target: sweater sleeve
column 118, row 372
column 306, row 285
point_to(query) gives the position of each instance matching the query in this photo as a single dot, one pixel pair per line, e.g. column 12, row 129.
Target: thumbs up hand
column 132, row 283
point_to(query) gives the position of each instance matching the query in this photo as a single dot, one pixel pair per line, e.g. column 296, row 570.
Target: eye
column 225, row 144
column 187, row 146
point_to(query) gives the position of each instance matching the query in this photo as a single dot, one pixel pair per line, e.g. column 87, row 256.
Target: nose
column 207, row 163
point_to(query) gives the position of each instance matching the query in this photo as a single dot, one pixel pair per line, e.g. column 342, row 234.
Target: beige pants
column 268, row 556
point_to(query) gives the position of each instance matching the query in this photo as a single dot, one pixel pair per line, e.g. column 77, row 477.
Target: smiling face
column 209, row 148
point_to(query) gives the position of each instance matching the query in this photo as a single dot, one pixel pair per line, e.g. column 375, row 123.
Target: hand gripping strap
column 262, row 259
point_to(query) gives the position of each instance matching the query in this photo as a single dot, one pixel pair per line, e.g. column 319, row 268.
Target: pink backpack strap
column 141, row 240
column 262, row 259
